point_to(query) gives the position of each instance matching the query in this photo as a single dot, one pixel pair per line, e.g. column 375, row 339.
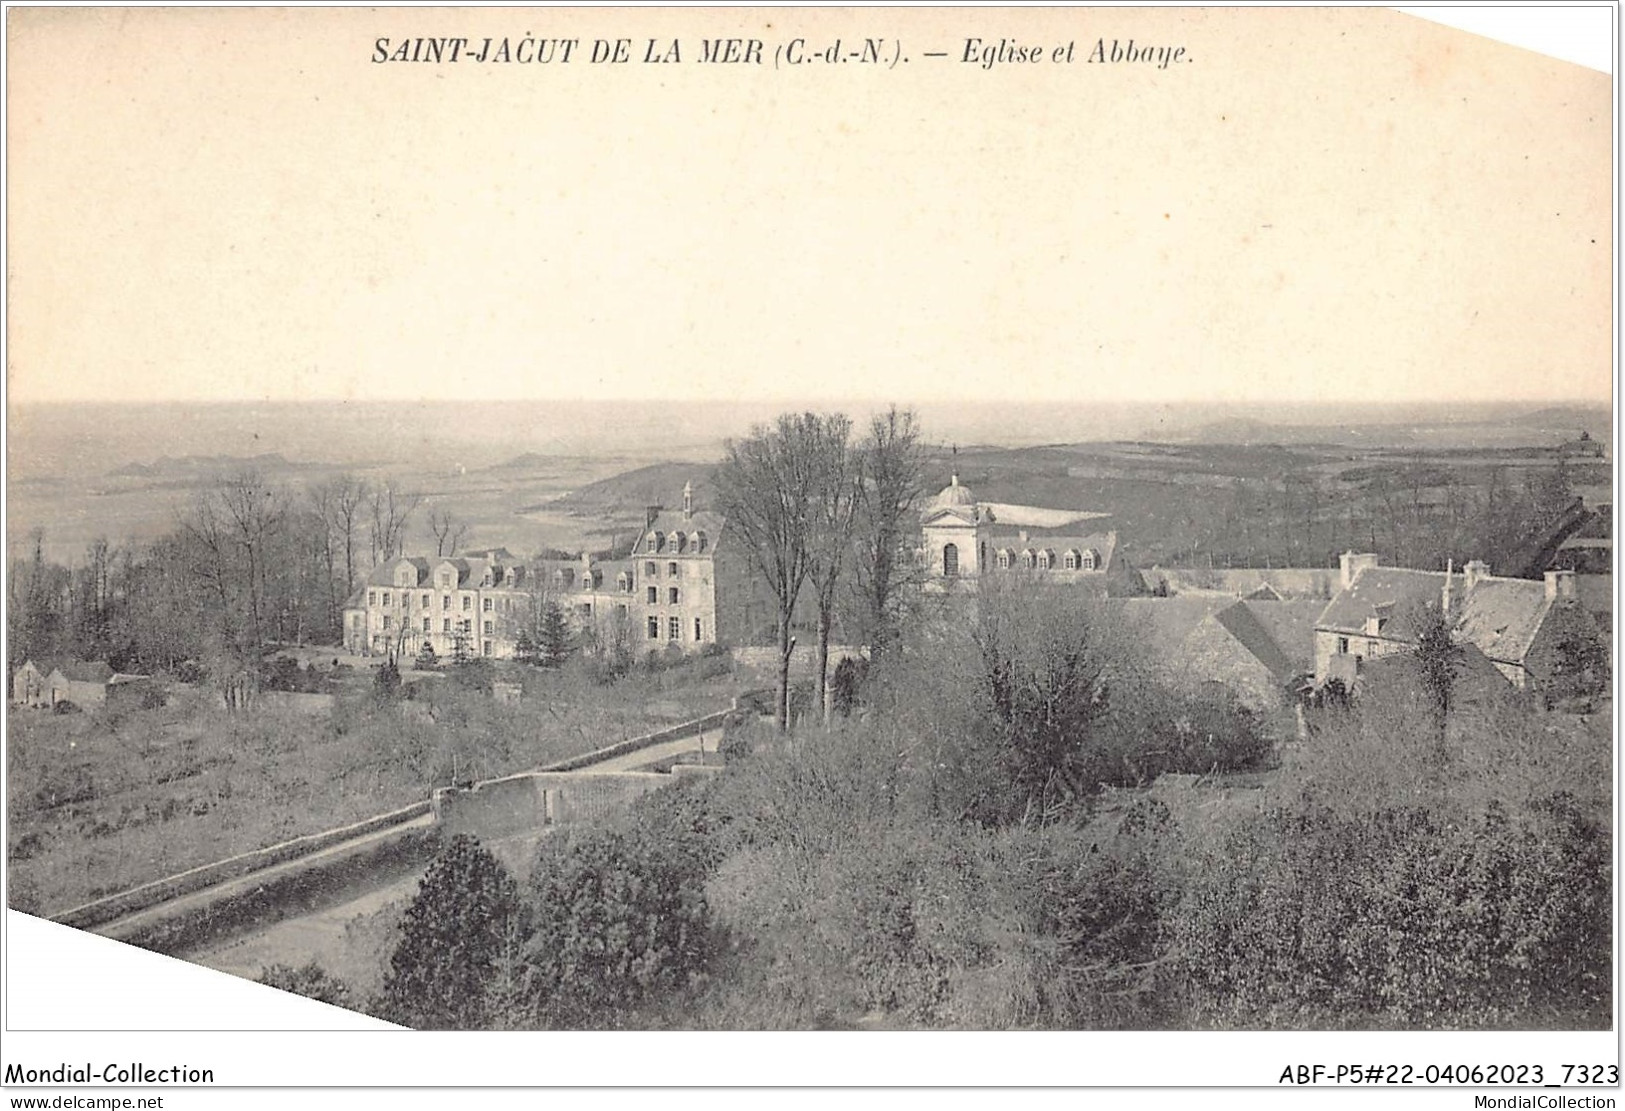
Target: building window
column 387, row 596
column 445, row 580
column 487, row 630
column 674, row 628
column 654, row 595
column 620, row 611
column 486, row 605
column 468, row 602
column 425, row 624
column 699, row 542
column 675, row 596
column 699, row 630
column 624, row 582
column 1028, row 559
column 654, row 628
column 1046, row 560
column 487, row 648
column 950, row 560
column 671, row 569
column 386, row 620
column 445, row 601
column 1004, row 559
column 650, row 569
column 586, row 609
column 425, row 601
column 1342, row 646
column 1089, row 561
column 372, row 597
column 468, row 625
column 445, row 625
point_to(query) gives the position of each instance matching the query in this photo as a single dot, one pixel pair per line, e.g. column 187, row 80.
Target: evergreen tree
column 524, row 649
column 427, row 660
column 554, row 648
column 1439, row 659
column 465, row 917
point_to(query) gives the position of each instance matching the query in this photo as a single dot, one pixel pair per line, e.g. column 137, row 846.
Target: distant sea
column 74, row 440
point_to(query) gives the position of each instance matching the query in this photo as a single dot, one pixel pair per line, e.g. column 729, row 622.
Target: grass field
column 102, row 802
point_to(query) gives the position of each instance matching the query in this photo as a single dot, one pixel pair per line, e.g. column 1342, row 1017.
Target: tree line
column 249, row 563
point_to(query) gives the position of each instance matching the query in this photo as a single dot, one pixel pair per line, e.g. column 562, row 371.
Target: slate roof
column 1103, row 543
column 1503, row 616
column 1246, row 628
column 470, row 570
column 1292, row 626
column 1500, row 616
column 671, row 522
column 1403, row 592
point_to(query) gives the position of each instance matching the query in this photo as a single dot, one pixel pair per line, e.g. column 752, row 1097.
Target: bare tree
column 391, row 510
column 448, row 531
column 837, row 479
column 893, row 473
column 252, row 512
column 765, row 486
column 340, row 502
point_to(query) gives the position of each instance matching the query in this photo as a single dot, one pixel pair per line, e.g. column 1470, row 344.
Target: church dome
column 955, row 494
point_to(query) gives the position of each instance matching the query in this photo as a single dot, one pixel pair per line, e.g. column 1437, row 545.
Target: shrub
column 311, row 981
column 620, row 920
column 1406, row 916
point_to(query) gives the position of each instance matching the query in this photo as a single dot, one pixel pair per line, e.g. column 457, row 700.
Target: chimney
column 1022, row 535
column 688, row 500
column 1559, row 585
column 1353, row 563
column 1444, row 600
column 1473, row 570
column 649, row 514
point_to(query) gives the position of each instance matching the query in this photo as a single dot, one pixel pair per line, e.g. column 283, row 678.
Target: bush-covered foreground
column 979, row 851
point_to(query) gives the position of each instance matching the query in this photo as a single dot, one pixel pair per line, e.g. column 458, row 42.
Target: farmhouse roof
column 1398, row 590
column 81, row 671
column 1291, row 626
column 1501, row 616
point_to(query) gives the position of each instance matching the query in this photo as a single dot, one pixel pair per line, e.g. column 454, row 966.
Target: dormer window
column 681, row 541
column 1029, row 559
column 659, row 541
column 1004, row 559
column 1046, row 560
column 1089, row 560
column 699, row 542
column 1072, row 560
column 623, row 582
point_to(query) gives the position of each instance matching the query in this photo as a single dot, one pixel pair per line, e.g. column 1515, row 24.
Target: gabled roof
column 1500, row 616
column 80, row 671
column 1503, row 616
column 1242, row 624
column 384, row 573
column 1291, row 626
column 1406, row 591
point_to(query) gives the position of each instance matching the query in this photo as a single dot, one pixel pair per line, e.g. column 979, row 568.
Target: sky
column 1311, row 205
